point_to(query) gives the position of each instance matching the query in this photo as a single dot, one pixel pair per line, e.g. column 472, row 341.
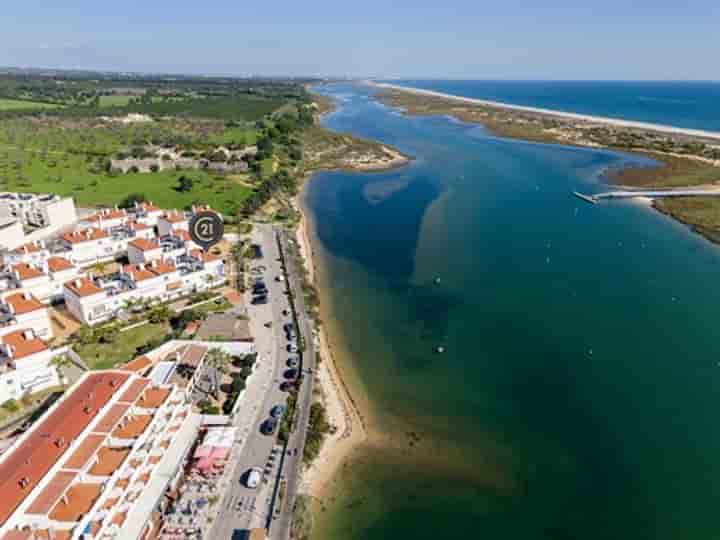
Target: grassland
column 235, row 135
column 115, row 100
column 122, row 349
column 25, row 105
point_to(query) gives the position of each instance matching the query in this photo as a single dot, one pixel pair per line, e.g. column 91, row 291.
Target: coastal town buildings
column 98, row 463
column 142, row 250
column 34, row 253
column 89, row 246
column 23, row 311
column 38, row 211
column 26, row 365
column 11, row 233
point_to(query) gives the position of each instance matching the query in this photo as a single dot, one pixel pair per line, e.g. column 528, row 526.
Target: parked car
column 268, row 426
column 287, row 386
column 292, row 348
column 291, row 373
column 277, row 411
column 260, row 299
column 253, row 477
column 280, row 278
column 293, row 361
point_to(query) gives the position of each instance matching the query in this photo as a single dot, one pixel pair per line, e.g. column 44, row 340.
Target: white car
column 254, row 476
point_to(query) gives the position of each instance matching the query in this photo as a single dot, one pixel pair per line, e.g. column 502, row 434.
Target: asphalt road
column 242, row 507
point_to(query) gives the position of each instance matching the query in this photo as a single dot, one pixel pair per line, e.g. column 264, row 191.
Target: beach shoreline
column 616, row 122
column 342, row 412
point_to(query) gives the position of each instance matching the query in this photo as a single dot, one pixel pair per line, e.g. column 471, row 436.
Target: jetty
column 651, row 194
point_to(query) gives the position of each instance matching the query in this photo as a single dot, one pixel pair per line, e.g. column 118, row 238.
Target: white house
column 30, row 278
column 148, row 213
column 34, row 253
column 141, row 250
column 25, row 365
column 108, row 218
column 11, row 233
column 86, row 301
column 89, row 246
column 137, row 229
column 172, row 221
column 23, row 310
column 38, row 210
column 60, row 271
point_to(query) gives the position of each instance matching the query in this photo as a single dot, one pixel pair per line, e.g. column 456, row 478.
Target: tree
column 218, row 359
column 61, row 362
column 185, row 184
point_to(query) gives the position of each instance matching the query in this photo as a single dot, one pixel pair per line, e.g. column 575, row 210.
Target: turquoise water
column 578, row 394
column 684, row 104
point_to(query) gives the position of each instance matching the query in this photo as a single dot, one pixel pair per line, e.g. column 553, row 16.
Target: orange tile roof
column 153, row 398
column 52, row 492
column 201, row 255
column 77, row 501
column 86, row 235
column 135, row 226
column 30, row 247
column 148, row 206
column 143, row 244
column 20, row 304
column 138, row 364
column 82, row 287
column 57, row 534
column 119, row 518
column 134, row 390
column 137, row 272
column 109, row 503
column 123, row 483
column 134, row 427
column 182, row 234
column 17, row 534
column 25, row 271
column 109, row 460
column 84, row 452
column 154, row 460
column 174, row 217
column 161, row 267
column 21, row 345
column 48, row 440
column 58, row 264
column 107, row 422
column 108, row 213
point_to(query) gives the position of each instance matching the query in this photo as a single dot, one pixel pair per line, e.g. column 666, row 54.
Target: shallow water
column 578, row 390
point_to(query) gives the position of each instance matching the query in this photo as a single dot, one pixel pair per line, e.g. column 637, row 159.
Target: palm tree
column 61, row 361
column 100, row 268
column 218, row 359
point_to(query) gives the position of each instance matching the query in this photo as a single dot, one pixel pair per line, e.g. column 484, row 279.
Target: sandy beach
column 341, row 411
column 559, row 114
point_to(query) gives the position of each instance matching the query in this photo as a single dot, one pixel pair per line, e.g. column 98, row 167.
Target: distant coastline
column 660, row 128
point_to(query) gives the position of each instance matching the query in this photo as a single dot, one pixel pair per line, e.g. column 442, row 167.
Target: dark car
column 293, row 361
column 277, row 411
column 260, row 299
column 291, row 373
column 257, row 251
column 287, row 386
column 268, row 426
column 289, row 327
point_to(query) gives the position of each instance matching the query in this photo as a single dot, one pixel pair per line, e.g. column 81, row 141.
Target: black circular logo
column 206, row 229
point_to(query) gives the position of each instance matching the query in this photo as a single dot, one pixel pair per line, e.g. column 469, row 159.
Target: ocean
column 579, row 388
column 693, row 105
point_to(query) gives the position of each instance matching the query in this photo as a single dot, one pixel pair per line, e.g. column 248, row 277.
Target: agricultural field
column 25, row 105
column 235, row 135
column 115, row 100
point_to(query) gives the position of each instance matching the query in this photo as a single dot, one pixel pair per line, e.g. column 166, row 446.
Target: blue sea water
column 693, row 105
column 579, row 390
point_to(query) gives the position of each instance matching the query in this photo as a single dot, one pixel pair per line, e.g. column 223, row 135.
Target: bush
column 11, row 406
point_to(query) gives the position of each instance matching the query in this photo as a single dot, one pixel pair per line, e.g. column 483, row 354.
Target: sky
column 468, row 39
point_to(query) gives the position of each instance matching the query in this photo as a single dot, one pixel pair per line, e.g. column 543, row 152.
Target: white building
column 90, row 246
column 108, row 218
column 148, row 213
column 98, row 462
column 87, row 302
column 34, row 253
column 25, row 365
column 11, row 233
column 38, row 210
column 172, row 221
column 30, row 278
column 23, row 310
column 137, row 229
column 141, row 250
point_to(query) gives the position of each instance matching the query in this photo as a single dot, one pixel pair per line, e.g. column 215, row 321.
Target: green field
column 235, row 135
column 122, row 349
column 115, row 101
column 24, row 105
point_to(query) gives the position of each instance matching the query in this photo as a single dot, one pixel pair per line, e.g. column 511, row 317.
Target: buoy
column 437, row 281
column 440, row 350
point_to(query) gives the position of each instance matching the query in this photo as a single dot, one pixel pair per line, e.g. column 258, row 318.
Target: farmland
column 24, row 105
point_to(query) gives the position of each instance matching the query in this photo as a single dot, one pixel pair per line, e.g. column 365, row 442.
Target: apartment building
column 26, row 365
column 22, row 310
column 39, row 211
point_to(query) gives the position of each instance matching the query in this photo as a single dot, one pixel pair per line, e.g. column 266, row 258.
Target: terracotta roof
column 182, row 234
column 86, row 235
column 47, row 441
column 119, row 518
column 109, row 460
column 51, row 492
column 25, row 271
column 134, row 390
column 77, row 501
column 108, row 213
column 84, row 452
column 153, row 398
column 135, row 226
column 58, row 264
column 138, row 272
column 144, row 245
column 203, row 256
column 174, row 217
column 82, row 286
column 21, row 303
column 148, row 206
column 17, row 534
column 109, row 503
column 57, row 534
column 30, row 247
column 137, row 364
column 134, row 427
column 161, row 267
column 107, row 422
column 23, row 345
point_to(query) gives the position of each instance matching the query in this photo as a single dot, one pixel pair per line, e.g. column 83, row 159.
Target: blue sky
column 542, row 39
